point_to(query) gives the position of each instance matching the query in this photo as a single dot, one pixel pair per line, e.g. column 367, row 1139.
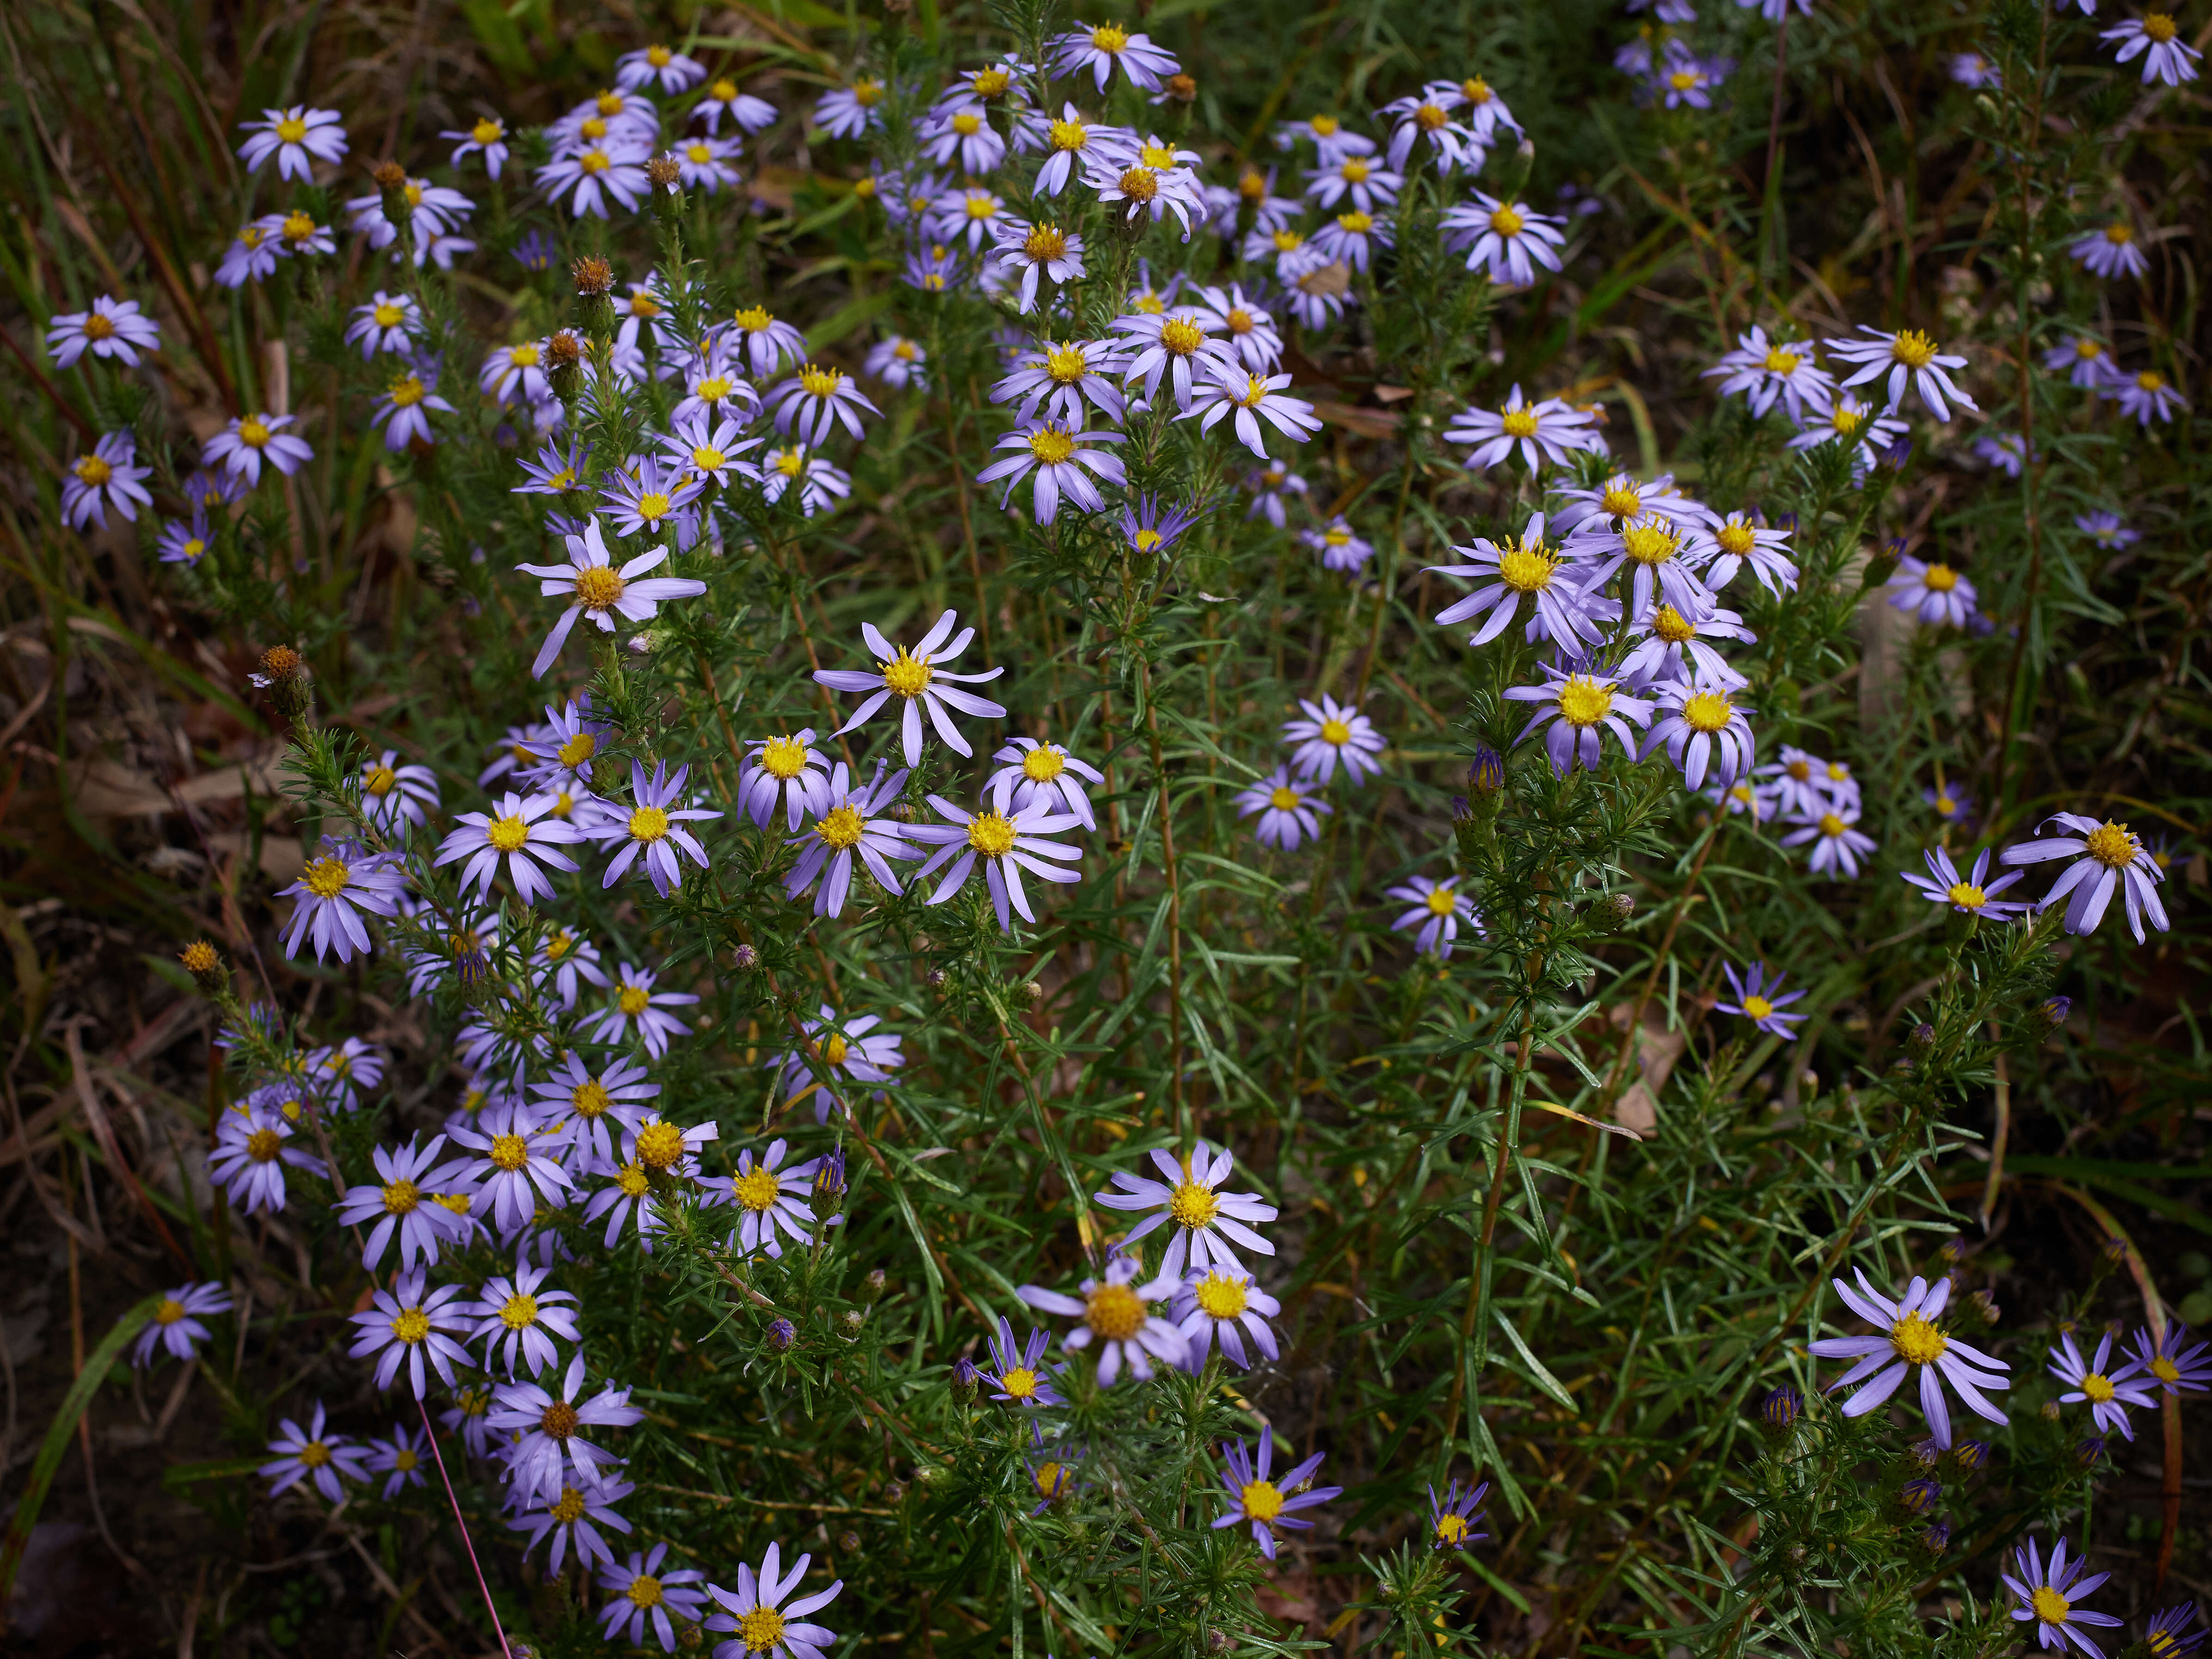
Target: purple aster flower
column 241, row 447
column 788, row 766
column 2109, row 1392
column 1935, row 593
column 596, row 588
column 1438, row 910
column 401, row 1458
column 527, row 1317
column 1952, row 805
column 111, row 328
column 1911, row 1339
column 1206, row 1221
column 913, row 678
column 772, row 1197
column 1837, row 847
column 175, row 1325
column 336, row 888
column 1580, row 701
column 1005, row 843
column 1287, row 810
column 250, row 1155
column 640, row 1010
column 2147, row 396
column 2108, row 858
column 1017, row 1374
column 641, row 1590
column 1567, row 608
column 2178, row 1367
column 401, row 1201
column 519, row 1162
column 897, row 362
column 1103, row 48
column 523, row 834
column 404, row 409
column 1117, row 1314
column 1547, row 432
column 1909, row 359
column 1265, row 1504
column 298, row 137
column 1340, row 548
column 1765, row 371
column 849, row 823
column 2048, row 1598
column 768, row 1624
column 405, row 1322
column 586, row 1103
column 1970, row 895
column 1701, row 726
column 1758, row 1002
column 1225, row 1304
column 394, row 796
column 1455, row 1522
column 550, row 1451
column 107, row 478
column 652, row 830
column 1333, row 731
column 2111, row 252
column 574, row 1520
column 309, row 1454
column 2156, row 39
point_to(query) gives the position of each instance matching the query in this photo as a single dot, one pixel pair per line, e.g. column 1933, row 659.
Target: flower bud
column 201, row 962
column 872, row 1288
column 849, row 1323
column 1919, row 1497
column 2089, row 1453
column 1923, row 1454
column 848, row 1541
column 1968, row 1455
column 1183, row 88
column 1610, row 914
column 1896, row 457
column 564, row 363
column 1920, row 1042
column 1485, row 773
column 479, row 987
column 781, row 1334
column 665, row 174
column 392, row 195
column 593, row 277
column 964, row 1380
column 2055, row 1009
column 1032, row 993
column 744, row 958
column 1935, row 1539
column 1779, row 1412
column 934, row 979
column 1883, row 565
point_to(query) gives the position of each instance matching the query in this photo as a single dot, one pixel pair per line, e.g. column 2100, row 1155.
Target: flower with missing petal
column 1765, row 371
column 2173, row 1363
column 2156, row 39
column 1759, row 999
column 1910, row 1341
column 2108, row 857
column 1549, row 431
column 1508, row 240
column 639, row 1010
column 1934, row 593
column 1456, row 1520
column 595, row 587
column 1016, row 1373
column 175, row 1326
column 1974, row 894
column 917, row 679
column 1103, row 48
column 1268, row 1504
column 1909, row 359
column 838, row 1049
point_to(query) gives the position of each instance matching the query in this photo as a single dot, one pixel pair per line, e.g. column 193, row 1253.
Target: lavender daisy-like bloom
column 1701, row 726
column 1225, row 1303
column 1438, row 910
column 1032, row 771
column 2108, row 530
column 788, row 767
column 1016, row 1373
column 591, row 176
column 640, row 1010
column 1456, row 1521
column 1908, row 358
column 519, row 831
column 1684, row 80
column 344, row 881
column 850, row 823
column 1268, row 1505
column 1117, row 1314
column 2173, row 1363
column 251, row 256
column 843, row 1048
column 1101, row 48
column 962, row 131
column 769, row 1625
column 915, row 679
column 1006, row 844
column 1207, row 1221
column 1757, row 999
column 527, row 1318
column 653, row 493
column 250, row 1155
column 1844, row 419
column 403, row 408
column 652, row 830
column 1663, row 553
column 1506, row 240
column 1426, row 114
column 811, row 404
column 1670, row 646
column 636, row 70
column 852, row 110
column 1972, row 895
column 2111, row 252
column 298, row 137
column 2108, row 858
column 109, row 476
column 573, row 1519
column 591, row 1101
column 1952, row 805
column 2109, row 1391
column 1271, row 486
column 1253, row 398
column 487, row 137
column 248, row 440
column 400, row 1202
column 1741, row 543
column 310, row 1453
column 1565, row 612
column 552, row 1448
column 518, row 1164
column 1058, row 379
column 1765, row 371
column 1934, row 593
column 1252, row 335
column 2147, row 397
column 1910, row 1341
column 643, row 1592
column 1972, row 70
column 185, row 544
column 111, row 328
column 395, row 796
column 1149, row 530
column 2156, row 39
column 897, row 362
column 1332, row 731
column 1340, row 548
column 401, row 1458
column 2167, row 1636
column 596, row 589
column 407, row 1321
column 1549, row 431
column 1581, row 703
column 1795, row 785
column 518, row 371
column 820, row 485
column 1837, row 847
column 1037, row 252
column 1288, row 810
column 176, row 1325
column 2047, row 1598
column 1172, row 345
column 1059, row 458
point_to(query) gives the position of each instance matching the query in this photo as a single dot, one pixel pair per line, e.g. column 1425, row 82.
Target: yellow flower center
column 1781, row 361
column 1831, row 826
column 1113, row 1312
column 1583, row 701
column 486, row 131
column 1287, row 241
column 568, row 1508
column 1193, row 1205
column 252, row 432
column 558, row 1420
column 1138, row 185
column 1263, row 1501
column 842, row 828
column 507, row 835
column 590, row 1098
column 326, row 878
column 406, row 392
column 2117, row 233
column 1021, row 1383
column 867, row 92
column 2150, row 380
column 1518, row 422
column 1913, row 348
column 2049, row 1605
column 1155, row 155
column 291, row 130
column 1706, row 711
column 2111, row 845
column 411, row 1326
column 264, row 1145
column 1043, row 763
column 760, row 1630
column 1506, row 221
column 1110, row 37
column 1044, row 242
column 380, row 780
column 1650, row 543
column 1430, row 117
column 1053, row 446
column 518, row 1311
column 2097, row 1388
column 757, row 1190
column 1335, row 733
column 1323, row 126
column 97, row 327
column 1221, row 1297
column 835, row 1049
column 1757, row 1008
column 1354, row 171
column 249, row 236
column 509, row 1152
column 1683, row 79
column 2165, row 1370
column 301, row 227
column 599, row 585
column 1940, row 579
column 401, row 1198
column 1527, row 569
column 2158, row 26
column 1283, row 799
column 1620, row 500
column 1451, row 1530
column 659, row 1145
column 314, row 1453
column 1966, row 896
column 820, row 382
column 783, row 758
column 594, row 160
column 991, row 835
column 192, row 549
column 1671, row 626
column 1735, row 539
column 700, row 152
column 648, row 823
column 982, row 204
column 634, row 999
column 169, row 1312
column 644, row 1591
column 1846, row 421
column 93, row 470
column 654, row 505
column 1067, row 134
column 1051, row 1480
column 1442, row 901
column 990, row 82
column 1917, row 1342
column 1066, row 364
column 966, row 125
column 633, row 1181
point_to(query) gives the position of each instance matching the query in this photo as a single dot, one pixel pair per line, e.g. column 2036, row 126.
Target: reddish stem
column 451, row 1497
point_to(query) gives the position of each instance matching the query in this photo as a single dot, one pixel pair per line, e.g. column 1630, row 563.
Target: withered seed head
column 663, row 171
column 389, row 175
column 281, row 662
column 1184, row 88
column 563, row 349
column 593, row 275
